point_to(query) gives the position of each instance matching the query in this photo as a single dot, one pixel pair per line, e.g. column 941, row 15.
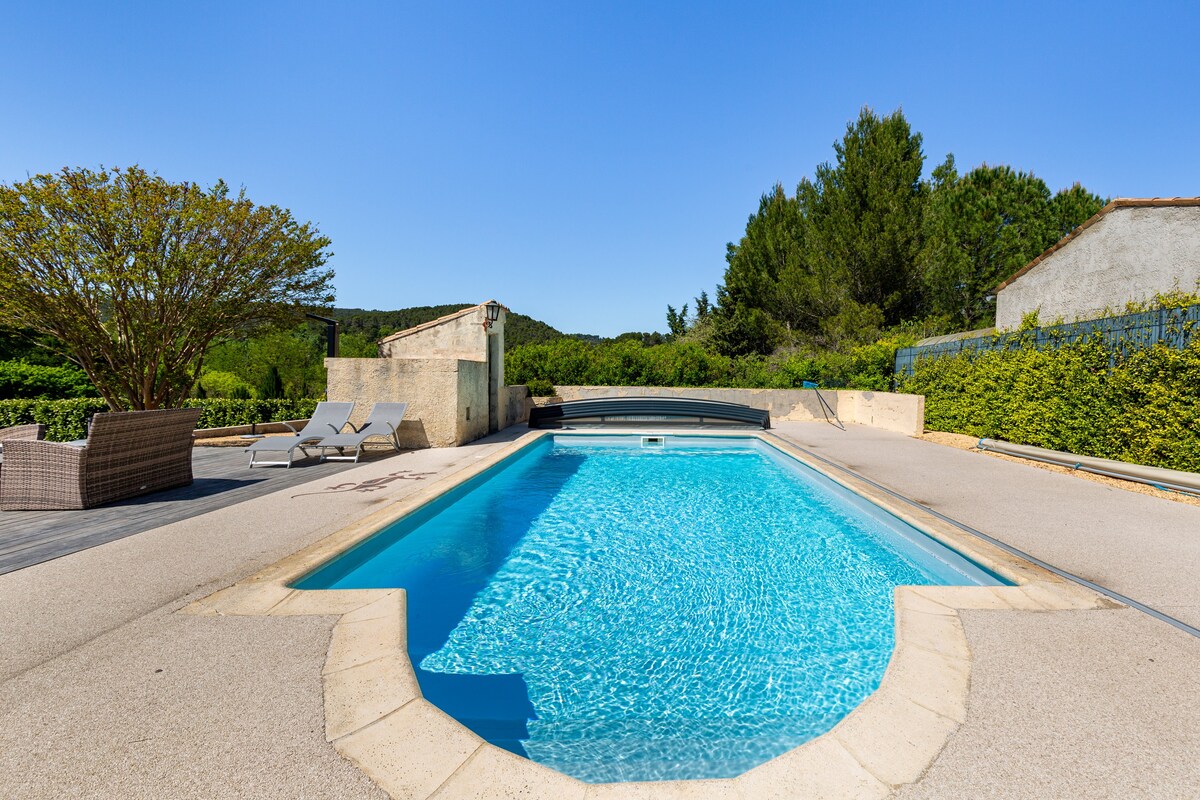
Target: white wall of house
column 1128, row 255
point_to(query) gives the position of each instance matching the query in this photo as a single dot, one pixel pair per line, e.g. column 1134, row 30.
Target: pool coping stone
column 376, row 717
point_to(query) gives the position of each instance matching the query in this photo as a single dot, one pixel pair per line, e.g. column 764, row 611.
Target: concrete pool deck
column 107, row 692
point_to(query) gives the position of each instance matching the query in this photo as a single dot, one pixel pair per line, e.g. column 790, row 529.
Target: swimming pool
column 624, row 609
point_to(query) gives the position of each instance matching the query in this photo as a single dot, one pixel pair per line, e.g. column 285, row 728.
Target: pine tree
column 864, row 213
column 984, row 226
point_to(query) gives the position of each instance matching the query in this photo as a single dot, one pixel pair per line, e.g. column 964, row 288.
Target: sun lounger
column 384, row 421
column 327, row 420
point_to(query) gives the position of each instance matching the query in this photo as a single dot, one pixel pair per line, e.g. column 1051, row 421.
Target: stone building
column 1130, row 251
column 450, row 372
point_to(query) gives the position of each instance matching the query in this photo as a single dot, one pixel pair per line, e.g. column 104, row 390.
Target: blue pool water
column 627, row 613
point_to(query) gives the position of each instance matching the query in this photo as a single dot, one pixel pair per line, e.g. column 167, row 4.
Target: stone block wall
column 901, row 413
column 471, row 408
column 517, row 402
column 438, row 392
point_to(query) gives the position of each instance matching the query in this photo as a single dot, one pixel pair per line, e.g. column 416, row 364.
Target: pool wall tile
column 911, row 598
column 1059, row 596
column 393, row 603
column 355, row 643
column 665, row 790
column 931, row 680
column 241, row 599
column 934, row 632
column 312, row 603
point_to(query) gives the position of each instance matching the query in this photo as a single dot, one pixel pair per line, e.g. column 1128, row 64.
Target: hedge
column 573, row 362
column 221, row 413
column 1142, row 406
column 67, row 419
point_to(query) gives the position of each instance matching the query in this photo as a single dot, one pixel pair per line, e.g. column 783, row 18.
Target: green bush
column 218, row 384
column 19, row 379
column 541, row 388
column 66, row 420
column 1142, row 406
column 572, row 362
column 224, row 413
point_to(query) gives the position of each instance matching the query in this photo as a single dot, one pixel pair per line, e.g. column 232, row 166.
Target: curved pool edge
column 376, row 717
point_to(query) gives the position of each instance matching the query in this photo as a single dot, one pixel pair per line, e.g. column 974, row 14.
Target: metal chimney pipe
column 331, row 334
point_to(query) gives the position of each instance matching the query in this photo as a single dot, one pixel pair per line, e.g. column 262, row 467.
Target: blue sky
column 584, row 163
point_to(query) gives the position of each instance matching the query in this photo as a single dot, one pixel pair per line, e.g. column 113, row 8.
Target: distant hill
column 518, row 328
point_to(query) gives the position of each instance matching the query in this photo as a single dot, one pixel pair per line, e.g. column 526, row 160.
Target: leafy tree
column 26, row 345
column 221, row 385
column 20, row 379
column 837, row 262
column 980, row 227
column 864, row 214
column 740, row 330
column 355, row 345
column 644, row 338
column 271, row 387
column 296, row 355
column 134, row 276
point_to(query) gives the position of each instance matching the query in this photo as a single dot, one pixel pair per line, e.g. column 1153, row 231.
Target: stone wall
column 902, row 413
column 1127, row 255
column 460, row 335
column 472, row 406
column 441, row 370
column 438, row 392
column 516, row 404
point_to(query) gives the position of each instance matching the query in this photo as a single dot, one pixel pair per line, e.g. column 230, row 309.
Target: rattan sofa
column 23, row 433
column 126, row 454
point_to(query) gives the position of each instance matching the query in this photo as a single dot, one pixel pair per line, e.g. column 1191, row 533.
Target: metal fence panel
column 1173, row 327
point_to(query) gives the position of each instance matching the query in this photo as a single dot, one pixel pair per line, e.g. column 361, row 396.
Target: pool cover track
column 375, row 715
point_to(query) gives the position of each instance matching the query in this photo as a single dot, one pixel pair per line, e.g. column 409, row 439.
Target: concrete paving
column 1147, row 548
column 1080, row 704
column 1073, row 704
column 236, row 710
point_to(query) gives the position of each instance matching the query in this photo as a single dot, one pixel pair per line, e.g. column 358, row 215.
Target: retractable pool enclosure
column 648, row 411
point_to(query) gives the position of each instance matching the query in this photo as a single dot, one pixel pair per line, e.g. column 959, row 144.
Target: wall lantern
column 493, row 313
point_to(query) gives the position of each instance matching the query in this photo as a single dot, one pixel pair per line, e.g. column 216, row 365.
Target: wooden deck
column 221, row 479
